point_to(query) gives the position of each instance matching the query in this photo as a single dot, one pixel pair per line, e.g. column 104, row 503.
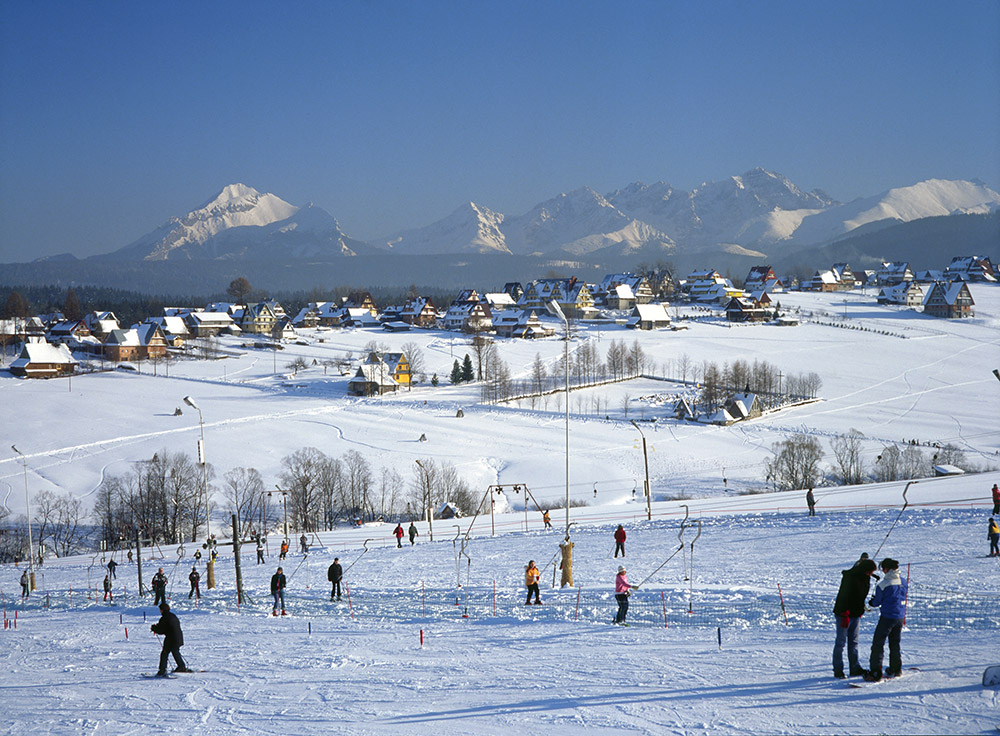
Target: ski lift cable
column 363, row 553
column 906, row 503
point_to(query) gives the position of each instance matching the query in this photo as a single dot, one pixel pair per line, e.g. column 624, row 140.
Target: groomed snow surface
column 561, row 667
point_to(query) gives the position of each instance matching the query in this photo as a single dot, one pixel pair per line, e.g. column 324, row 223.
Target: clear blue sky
column 115, row 116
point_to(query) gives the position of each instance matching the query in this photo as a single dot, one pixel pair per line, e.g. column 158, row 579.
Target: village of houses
column 50, row 346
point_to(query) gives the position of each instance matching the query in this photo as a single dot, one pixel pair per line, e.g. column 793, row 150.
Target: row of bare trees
column 772, row 387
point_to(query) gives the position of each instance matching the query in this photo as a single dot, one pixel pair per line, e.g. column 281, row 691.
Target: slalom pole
column 782, row 599
column 680, row 536
column 494, row 597
column 663, row 600
column 907, row 592
column 423, row 598
column 905, row 504
column 577, row 616
column 349, row 605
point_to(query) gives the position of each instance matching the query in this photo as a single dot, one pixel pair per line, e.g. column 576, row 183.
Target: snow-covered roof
column 39, row 351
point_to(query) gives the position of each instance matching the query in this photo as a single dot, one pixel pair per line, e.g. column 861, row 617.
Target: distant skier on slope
column 260, row 550
column 531, row 578
column 278, row 583
column 996, row 500
column 546, row 519
column 848, row 609
column 620, row 540
column 993, row 534
column 159, row 584
column 107, row 588
column 284, row 549
column 890, row 596
column 169, row 627
column 623, row 589
column 811, row 502
column 335, row 574
column 194, row 578
column 112, row 565
column 413, row 533
column 25, row 585
column 304, row 544
column 398, row 533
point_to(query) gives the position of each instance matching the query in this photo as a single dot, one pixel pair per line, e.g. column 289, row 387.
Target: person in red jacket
column 398, row 531
column 620, row 540
column 996, row 500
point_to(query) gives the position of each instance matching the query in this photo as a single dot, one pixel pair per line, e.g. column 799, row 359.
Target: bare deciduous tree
column 796, row 462
column 243, row 487
column 849, row 465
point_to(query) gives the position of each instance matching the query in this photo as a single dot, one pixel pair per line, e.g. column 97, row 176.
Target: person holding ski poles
column 413, row 533
column 398, row 533
column 848, row 609
column 623, row 589
column 194, row 578
column 111, row 568
column 890, row 597
column 993, row 535
column 278, row 583
column 107, row 588
column 335, row 574
column 173, row 639
column 620, row 540
column 531, row 578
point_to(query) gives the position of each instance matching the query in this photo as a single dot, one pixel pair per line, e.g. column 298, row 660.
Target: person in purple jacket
column 890, row 597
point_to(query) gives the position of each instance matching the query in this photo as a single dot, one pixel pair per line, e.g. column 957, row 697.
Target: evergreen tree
column 434, row 380
column 468, row 371
column 16, row 307
column 456, row 372
column 71, row 307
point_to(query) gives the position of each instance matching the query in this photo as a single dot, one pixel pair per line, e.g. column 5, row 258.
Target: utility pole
column 645, row 459
column 27, row 513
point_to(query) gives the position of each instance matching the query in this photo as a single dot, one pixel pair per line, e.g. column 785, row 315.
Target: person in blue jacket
column 890, row 598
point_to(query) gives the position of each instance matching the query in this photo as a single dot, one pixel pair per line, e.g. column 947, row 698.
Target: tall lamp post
column 645, row 460
column 554, row 306
column 427, row 501
column 27, row 511
column 204, row 465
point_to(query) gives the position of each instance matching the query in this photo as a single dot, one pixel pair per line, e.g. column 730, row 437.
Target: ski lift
column 595, row 489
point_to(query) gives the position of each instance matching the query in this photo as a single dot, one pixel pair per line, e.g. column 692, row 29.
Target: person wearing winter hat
column 890, row 598
column 623, row 589
column 993, row 534
column 848, row 609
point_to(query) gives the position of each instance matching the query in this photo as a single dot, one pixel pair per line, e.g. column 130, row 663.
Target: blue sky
column 116, row 116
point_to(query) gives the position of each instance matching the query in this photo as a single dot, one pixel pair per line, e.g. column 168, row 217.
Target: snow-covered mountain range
column 757, row 213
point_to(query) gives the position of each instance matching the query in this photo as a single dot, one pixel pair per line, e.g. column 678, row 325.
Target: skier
column 284, row 549
column 130, row 556
column 197, row 555
column 413, row 533
column 194, row 577
column 25, row 585
column 620, row 540
column 890, row 597
column 848, row 609
column 545, row 518
column 159, row 588
column 996, row 500
column 304, row 544
column 531, row 577
column 994, row 536
column 278, row 583
column 398, row 533
column 111, row 568
column 623, row 589
column 214, row 556
column 260, row 551
column 334, row 575
column 173, row 640
column 811, row 502
column 107, row 588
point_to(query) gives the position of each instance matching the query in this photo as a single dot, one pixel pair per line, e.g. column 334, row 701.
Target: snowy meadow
column 731, row 633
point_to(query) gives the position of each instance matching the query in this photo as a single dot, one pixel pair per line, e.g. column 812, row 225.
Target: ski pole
column 905, row 504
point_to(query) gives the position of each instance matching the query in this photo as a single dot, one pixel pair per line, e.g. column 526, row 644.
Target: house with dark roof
column 949, row 300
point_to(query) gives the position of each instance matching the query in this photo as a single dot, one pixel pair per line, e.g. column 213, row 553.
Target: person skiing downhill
column 194, row 578
column 848, row 609
column 173, row 639
column 993, row 534
column 278, row 583
column 159, row 584
column 531, row 577
column 398, row 533
column 413, row 533
column 890, row 597
column 620, row 540
column 335, row 574
column 623, row 589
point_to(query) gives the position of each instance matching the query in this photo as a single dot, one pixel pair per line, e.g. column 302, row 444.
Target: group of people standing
column 849, row 607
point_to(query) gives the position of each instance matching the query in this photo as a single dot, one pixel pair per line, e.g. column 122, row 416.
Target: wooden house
column 951, row 301
column 41, row 359
column 905, row 293
column 419, row 312
column 893, row 273
column 523, row 324
column 648, row 317
column 741, row 309
column 971, row 268
column 469, row 317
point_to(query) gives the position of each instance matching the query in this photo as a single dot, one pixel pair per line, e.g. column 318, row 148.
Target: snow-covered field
column 562, row 666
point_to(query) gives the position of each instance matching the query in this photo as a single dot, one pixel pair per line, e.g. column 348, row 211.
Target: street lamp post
column 27, row 512
column 204, row 464
column 284, row 504
column 427, row 500
column 555, row 308
column 645, row 460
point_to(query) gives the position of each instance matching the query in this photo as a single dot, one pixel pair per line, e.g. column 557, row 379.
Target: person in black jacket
column 170, row 629
column 334, row 575
column 848, row 609
column 194, row 578
column 278, row 583
column 159, row 588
